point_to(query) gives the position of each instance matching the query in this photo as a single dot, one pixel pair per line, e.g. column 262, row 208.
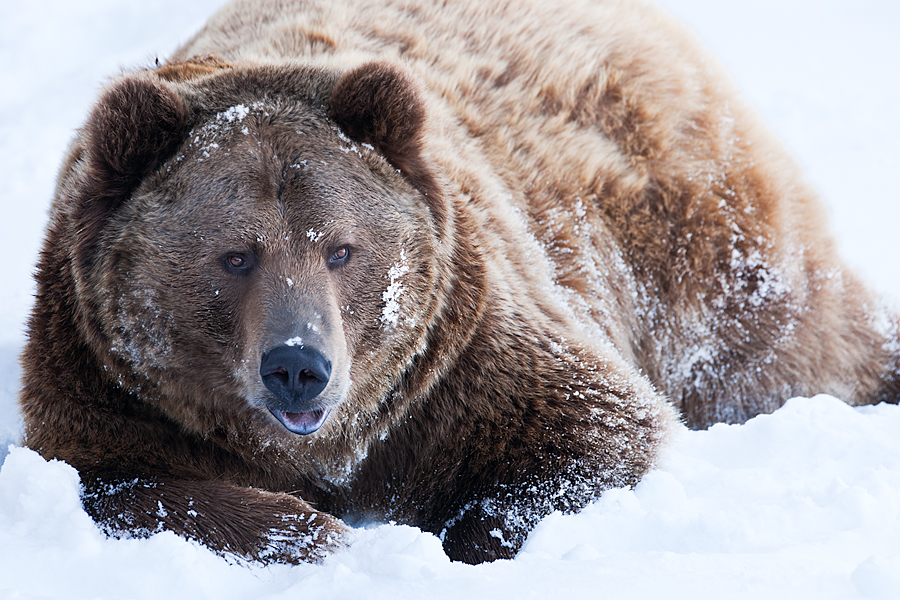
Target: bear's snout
column 296, row 375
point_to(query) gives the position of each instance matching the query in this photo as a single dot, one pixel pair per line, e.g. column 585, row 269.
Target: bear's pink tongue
column 305, row 422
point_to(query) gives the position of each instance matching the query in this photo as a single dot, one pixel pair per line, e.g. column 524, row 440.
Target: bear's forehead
column 249, row 143
column 260, row 163
column 265, row 126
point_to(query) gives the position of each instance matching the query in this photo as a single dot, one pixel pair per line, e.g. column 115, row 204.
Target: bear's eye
column 339, row 256
column 236, row 262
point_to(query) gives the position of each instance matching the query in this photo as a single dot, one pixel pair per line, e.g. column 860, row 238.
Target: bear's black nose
column 295, row 375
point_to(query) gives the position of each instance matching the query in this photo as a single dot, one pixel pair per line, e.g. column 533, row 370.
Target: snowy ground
column 804, row 503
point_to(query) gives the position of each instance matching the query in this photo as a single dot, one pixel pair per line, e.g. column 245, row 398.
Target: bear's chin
column 302, row 423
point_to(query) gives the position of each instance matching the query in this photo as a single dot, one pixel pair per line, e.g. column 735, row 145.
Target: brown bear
column 456, row 265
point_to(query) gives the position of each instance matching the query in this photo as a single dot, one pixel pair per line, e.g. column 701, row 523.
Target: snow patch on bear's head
column 203, row 137
column 390, row 315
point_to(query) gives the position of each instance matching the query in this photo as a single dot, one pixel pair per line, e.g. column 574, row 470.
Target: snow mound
column 803, row 503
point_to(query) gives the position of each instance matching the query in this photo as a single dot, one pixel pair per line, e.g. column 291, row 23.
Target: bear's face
column 271, row 270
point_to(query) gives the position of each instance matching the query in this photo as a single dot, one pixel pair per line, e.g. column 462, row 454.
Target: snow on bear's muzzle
column 296, row 377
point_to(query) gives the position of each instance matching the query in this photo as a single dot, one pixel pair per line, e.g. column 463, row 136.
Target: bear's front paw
column 248, row 523
column 475, row 537
column 301, row 537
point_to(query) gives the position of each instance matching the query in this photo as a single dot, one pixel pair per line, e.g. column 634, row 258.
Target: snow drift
column 804, row 503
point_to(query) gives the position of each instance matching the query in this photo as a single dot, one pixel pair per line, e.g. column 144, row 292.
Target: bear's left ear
column 378, row 104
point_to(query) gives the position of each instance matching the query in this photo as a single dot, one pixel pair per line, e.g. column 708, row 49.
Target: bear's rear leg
column 247, row 522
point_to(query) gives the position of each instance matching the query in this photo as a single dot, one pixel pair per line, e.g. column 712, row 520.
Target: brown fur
column 377, row 104
column 517, row 234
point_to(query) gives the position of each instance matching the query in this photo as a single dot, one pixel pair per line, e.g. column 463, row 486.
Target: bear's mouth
column 303, row 423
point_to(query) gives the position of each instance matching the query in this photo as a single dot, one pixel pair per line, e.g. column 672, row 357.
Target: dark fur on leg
column 246, row 522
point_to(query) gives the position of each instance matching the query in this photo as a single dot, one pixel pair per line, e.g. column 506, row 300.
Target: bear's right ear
column 136, row 124
column 133, row 126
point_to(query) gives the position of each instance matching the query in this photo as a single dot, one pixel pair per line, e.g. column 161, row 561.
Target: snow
column 804, row 503
column 390, row 314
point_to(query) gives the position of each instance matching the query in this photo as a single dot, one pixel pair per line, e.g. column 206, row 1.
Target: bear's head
column 256, row 247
